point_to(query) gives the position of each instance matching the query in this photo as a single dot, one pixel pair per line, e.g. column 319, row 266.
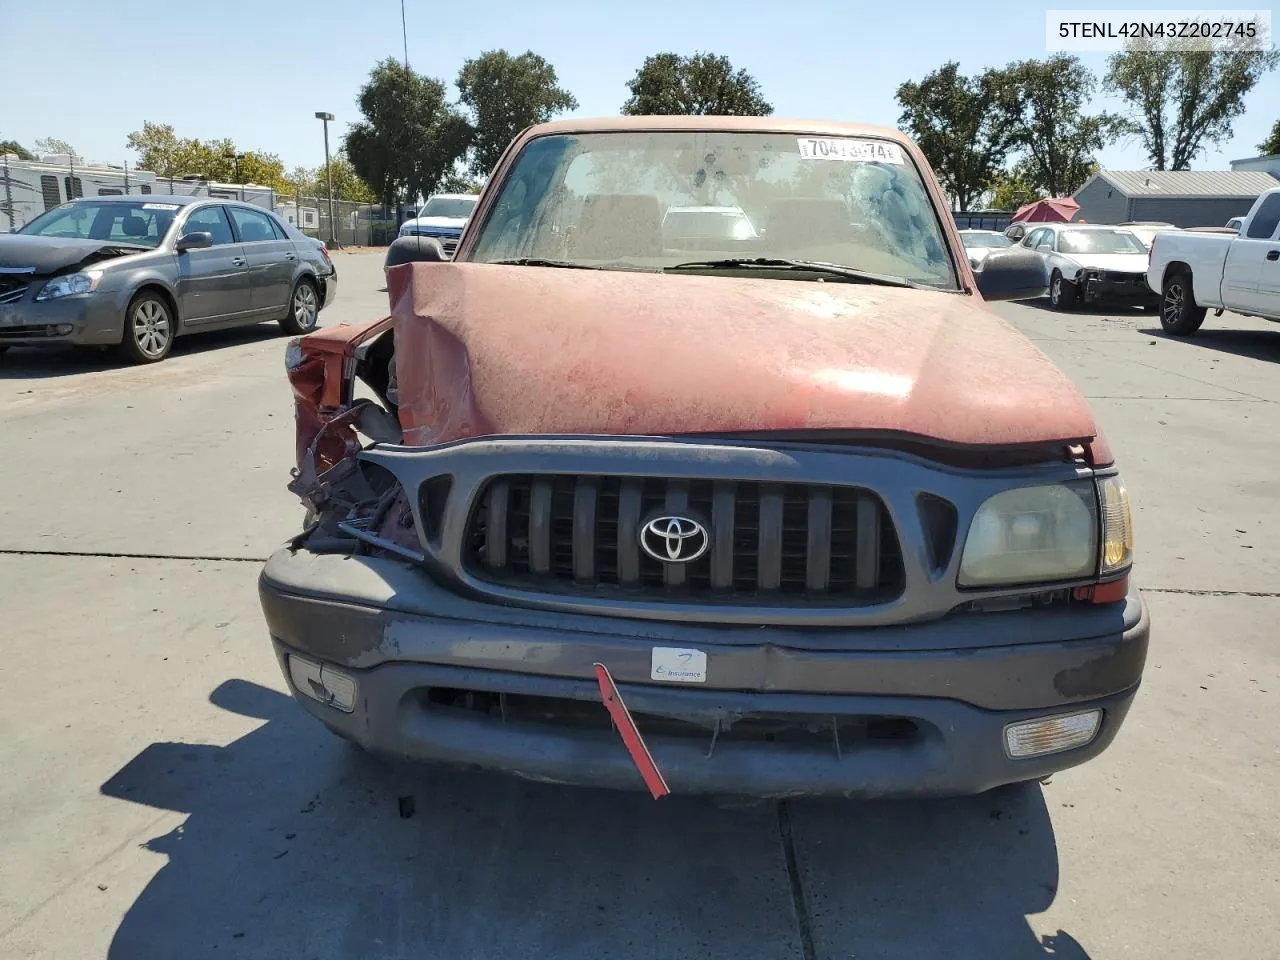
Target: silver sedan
column 138, row 271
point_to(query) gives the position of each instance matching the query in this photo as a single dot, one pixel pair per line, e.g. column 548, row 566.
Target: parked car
column 138, row 271
column 978, row 244
column 804, row 519
column 1092, row 264
column 442, row 218
column 1146, row 231
column 1016, row 231
column 1194, row 272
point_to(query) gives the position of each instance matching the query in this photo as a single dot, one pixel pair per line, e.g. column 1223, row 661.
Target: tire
column 1062, row 292
column 1179, row 314
column 304, row 308
column 149, row 329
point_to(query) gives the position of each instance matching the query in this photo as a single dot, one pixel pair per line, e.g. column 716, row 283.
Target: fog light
column 1034, row 738
column 63, row 329
column 321, row 682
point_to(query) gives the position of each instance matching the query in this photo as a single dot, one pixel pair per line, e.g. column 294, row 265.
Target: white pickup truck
column 1194, row 271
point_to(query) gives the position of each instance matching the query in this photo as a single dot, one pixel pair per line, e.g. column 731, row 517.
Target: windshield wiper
column 545, row 262
column 846, row 274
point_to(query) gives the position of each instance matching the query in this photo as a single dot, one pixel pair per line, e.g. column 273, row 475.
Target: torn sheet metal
column 488, row 349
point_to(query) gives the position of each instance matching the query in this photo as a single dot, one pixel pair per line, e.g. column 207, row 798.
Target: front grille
column 13, row 288
column 768, row 542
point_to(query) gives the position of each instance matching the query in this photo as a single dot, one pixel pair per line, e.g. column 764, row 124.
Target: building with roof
column 1267, row 163
column 1185, row 198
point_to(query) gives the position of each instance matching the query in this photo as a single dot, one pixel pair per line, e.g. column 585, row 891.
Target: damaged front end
column 347, row 503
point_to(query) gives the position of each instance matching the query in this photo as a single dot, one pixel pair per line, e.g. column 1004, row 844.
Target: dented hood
column 42, row 255
column 487, row 349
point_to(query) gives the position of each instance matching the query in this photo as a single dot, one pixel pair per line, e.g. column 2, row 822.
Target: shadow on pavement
column 1255, row 344
column 39, row 363
column 295, row 845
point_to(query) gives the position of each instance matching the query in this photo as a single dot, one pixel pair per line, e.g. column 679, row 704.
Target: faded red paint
column 484, row 349
column 321, row 391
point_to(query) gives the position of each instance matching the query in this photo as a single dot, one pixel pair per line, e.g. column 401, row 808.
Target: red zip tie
column 631, row 738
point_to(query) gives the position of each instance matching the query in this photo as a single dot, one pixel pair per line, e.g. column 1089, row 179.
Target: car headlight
column 1033, row 535
column 70, row 285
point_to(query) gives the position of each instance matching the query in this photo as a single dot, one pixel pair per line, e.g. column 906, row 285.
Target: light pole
column 328, row 172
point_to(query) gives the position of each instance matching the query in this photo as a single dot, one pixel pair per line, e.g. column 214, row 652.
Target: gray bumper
column 402, row 636
column 94, row 320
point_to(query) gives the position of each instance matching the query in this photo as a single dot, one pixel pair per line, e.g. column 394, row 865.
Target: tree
column 1058, row 141
column 45, row 145
column 347, row 184
column 700, row 85
column 1272, row 143
column 410, row 136
column 1011, row 189
column 966, row 126
column 506, row 94
column 14, row 147
column 1181, row 102
column 459, row 181
column 165, row 154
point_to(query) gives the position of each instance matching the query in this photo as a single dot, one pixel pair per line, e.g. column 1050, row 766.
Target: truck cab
column 1195, row 271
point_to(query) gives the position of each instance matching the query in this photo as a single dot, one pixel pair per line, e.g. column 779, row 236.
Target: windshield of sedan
column 141, row 224
column 985, row 240
column 455, row 208
column 652, row 200
column 1099, row 241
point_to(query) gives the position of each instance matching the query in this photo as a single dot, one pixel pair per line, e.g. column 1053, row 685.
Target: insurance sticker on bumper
column 676, row 665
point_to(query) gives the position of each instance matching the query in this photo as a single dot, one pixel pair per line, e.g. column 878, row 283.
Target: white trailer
column 30, row 187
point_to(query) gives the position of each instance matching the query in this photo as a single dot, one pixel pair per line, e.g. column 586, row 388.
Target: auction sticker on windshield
column 160, row 206
column 849, row 150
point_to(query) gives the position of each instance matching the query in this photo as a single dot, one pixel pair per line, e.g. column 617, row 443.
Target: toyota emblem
column 674, row 539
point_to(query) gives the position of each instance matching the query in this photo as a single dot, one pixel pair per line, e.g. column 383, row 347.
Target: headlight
column 1033, row 535
column 1117, row 526
column 71, row 284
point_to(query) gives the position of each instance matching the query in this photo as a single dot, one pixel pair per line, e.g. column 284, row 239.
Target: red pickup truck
column 796, row 516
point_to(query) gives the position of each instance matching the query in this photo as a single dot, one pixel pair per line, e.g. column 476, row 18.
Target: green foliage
column 700, row 85
column 460, row 181
column 410, row 136
column 14, row 147
column 1011, row 189
column 54, row 145
column 966, row 126
column 1181, row 102
column 1054, row 138
column 347, row 185
column 1272, row 143
column 506, row 94
column 165, row 154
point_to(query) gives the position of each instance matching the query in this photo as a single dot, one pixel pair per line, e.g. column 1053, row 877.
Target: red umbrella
column 1051, row 210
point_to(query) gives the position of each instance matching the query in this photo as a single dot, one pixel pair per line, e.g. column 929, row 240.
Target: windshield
column 141, row 224
column 1099, row 241
column 651, row 200
column 982, row 240
column 455, row 208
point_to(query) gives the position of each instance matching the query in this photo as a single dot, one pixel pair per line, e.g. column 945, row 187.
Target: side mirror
column 414, row 250
column 194, row 241
column 1015, row 275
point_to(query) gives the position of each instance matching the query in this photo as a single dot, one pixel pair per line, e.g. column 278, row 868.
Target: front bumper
column 1125, row 288
column 90, row 320
column 404, row 639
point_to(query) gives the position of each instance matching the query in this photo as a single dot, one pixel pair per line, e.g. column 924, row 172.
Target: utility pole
column 328, row 170
column 405, row 30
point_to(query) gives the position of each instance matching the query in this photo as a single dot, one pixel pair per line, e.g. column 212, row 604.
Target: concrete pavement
column 163, row 798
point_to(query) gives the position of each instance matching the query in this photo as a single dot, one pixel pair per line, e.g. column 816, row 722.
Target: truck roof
column 771, row 124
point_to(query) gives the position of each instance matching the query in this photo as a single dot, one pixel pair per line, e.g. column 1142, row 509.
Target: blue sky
column 90, row 71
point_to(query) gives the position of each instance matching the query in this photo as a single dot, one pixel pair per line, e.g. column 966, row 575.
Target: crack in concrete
column 801, row 906
column 122, row 555
column 1193, row 592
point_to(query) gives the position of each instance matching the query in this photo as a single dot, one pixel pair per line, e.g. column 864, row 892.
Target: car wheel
column 148, row 329
column 304, row 309
column 1062, row 292
column 1179, row 314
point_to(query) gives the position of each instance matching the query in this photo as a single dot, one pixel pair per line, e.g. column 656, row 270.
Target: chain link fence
column 354, row 224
